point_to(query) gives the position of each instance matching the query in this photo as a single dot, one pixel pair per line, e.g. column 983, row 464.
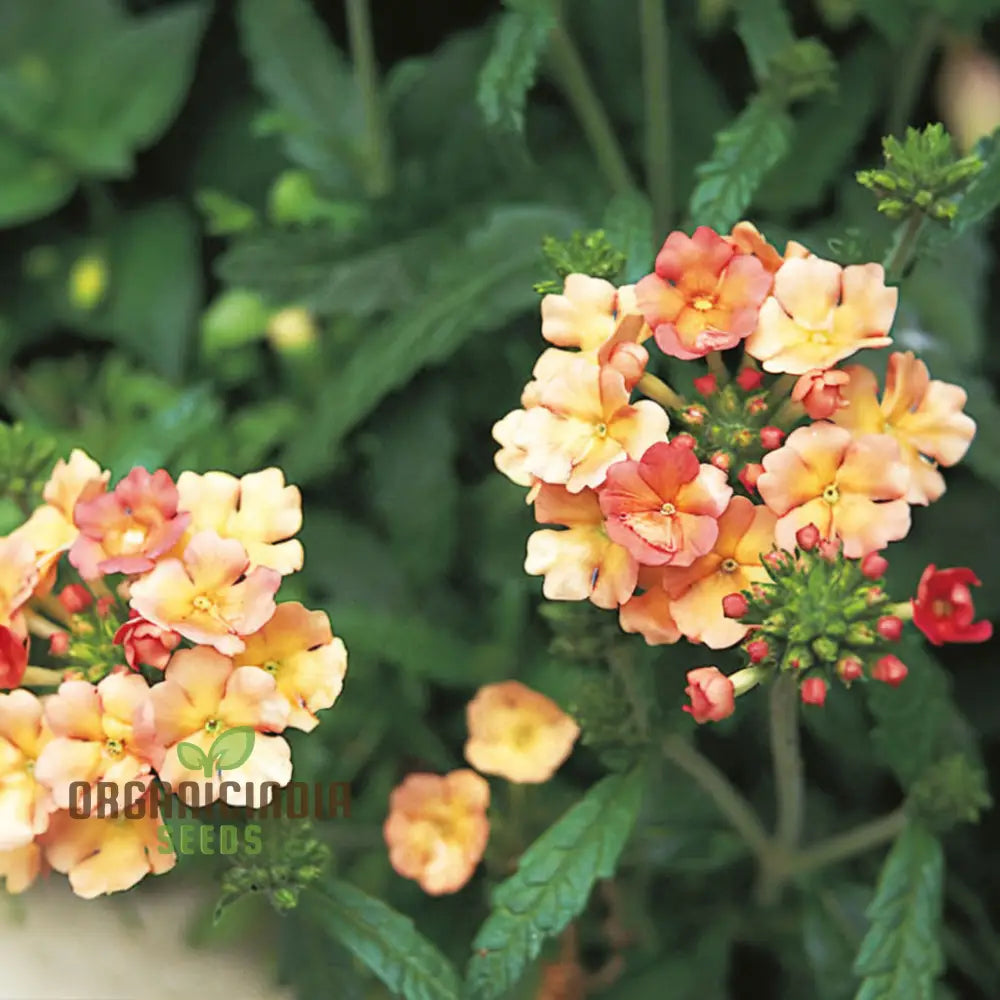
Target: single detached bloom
column 94, row 738
column 25, row 804
column 581, row 562
column 144, row 643
column 582, row 423
column 924, row 415
column 943, row 609
column 851, row 487
column 665, row 508
column 202, row 695
column 712, row 695
column 703, row 296
column 259, row 510
column 697, row 592
column 437, row 829
column 821, row 391
column 208, row 595
column 307, row 661
column 517, row 733
column 820, row 313
column 128, row 529
column 648, row 613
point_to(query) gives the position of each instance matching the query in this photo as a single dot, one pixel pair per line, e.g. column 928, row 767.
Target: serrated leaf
column 553, row 883
column 744, row 152
column 521, row 38
column 982, row 196
column 765, row 30
column 232, row 748
column 628, row 222
column 191, row 756
column 900, row 956
column 385, row 941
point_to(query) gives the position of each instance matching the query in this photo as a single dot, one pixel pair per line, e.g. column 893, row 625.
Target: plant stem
column 359, row 27
column 40, row 626
column 912, row 73
column 655, row 37
column 717, row 367
column 41, row 677
column 658, row 390
column 907, row 238
column 788, row 775
column 717, row 786
column 788, row 413
column 782, row 388
column 570, row 74
column 846, row 845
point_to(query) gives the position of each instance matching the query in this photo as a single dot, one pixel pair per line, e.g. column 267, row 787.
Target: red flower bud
column 104, row 605
column 75, row 598
column 13, row 658
column 749, row 379
column 874, row 566
column 813, row 691
column 890, row 628
column 771, row 437
column 850, row 669
column 735, row 605
column 684, row 441
column 828, row 548
column 749, row 475
column 706, row 384
column 890, row 670
column 721, row 460
column 59, row 643
column 807, row 537
column 776, row 560
column 146, row 643
column 756, row 405
column 711, row 693
column 943, row 609
column 758, row 650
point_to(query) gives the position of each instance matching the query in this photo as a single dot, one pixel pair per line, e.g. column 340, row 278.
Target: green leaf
column 833, row 924
column 31, row 184
column 309, row 81
column 900, row 957
column 191, row 756
column 744, row 152
column 765, row 30
column 982, row 196
column 384, row 940
column 553, row 882
column 238, row 316
column 232, row 748
column 522, row 36
column 224, row 215
column 628, row 221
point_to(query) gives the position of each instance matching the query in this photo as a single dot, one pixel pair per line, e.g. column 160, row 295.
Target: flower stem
column 37, row 625
column 782, row 388
column 904, row 247
column 717, row 786
column 717, row 366
column 788, row 413
column 655, row 37
column 912, row 73
column 570, row 74
column 846, row 845
column 41, row 677
column 788, row 773
column 53, row 608
column 904, row 610
column 659, row 391
column 359, row 27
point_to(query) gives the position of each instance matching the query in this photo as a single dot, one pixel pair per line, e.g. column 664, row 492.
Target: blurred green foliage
column 231, row 241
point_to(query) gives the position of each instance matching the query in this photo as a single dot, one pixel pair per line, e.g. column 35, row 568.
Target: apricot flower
column 582, row 424
column 203, row 694
column 820, row 313
column 664, row 508
column 580, row 563
column 20, row 867
column 648, row 613
column 517, row 733
column 259, row 510
column 25, row 804
column 712, row 694
column 696, row 592
column 924, row 415
column 94, row 738
column 511, row 459
column 104, row 855
column 851, row 487
column 821, row 392
column 437, row 829
column 703, row 295
column 307, row 661
column 145, row 643
column 205, row 596
column 18, row 575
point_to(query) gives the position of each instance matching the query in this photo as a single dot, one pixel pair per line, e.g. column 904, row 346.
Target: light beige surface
column 54, row 946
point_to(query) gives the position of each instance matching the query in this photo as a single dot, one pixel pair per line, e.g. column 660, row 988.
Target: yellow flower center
column 523, row 735
column 941, row 608
column 601, row 430
column 212, row 725
column 819, row 337
column 202, row 603
column 272, row 666
column 134, row 538
column 831, row 494
column 729, row 566
column 668, row 510
column 114, row 748
column 703, row 303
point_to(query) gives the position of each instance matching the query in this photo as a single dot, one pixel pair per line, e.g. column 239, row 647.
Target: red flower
column 13, row 658
column 749, row 475
column 943, row 608
column 145, row 643
column 711, row 693
column 813, row 691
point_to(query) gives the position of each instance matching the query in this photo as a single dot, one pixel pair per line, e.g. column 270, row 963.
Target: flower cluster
column 154, row 604
column 437, row 829
column 760, row 517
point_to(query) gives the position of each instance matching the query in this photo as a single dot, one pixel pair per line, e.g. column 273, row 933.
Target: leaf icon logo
column 230, row 750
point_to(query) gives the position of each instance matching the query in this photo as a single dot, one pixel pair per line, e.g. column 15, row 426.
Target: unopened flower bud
column 59, row 643
column 749, row 475
column 749, row 379
column 684, row 441
column 825, row 648
column 291, row 330
column 813, row 691
column 721, row 460
column 758, row 650
column 694, row 414
column 771, row 437
column 829, row 548
column 735, row 606
column 807, row 537
column 799, row 658
column 712, row 695
column 756, row 405
column 873, row 596
column 874, row 566
column 75, row 598
column 890, row 670
column 104, row 606
column 859, row 634
column 706, row 385
column 890, row 628
column 776, row 560
column 849, row 669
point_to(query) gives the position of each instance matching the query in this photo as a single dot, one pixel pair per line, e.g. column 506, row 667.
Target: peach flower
column 437, row 829
column 208, row 595
column 18, row 576
column 821, row 392
column 664, row 508
column 25, row 804
column 202, row 695
column 820, row 313
column 703, row 295
column 924, row 415
column 580, row 563
column 712, row 694
column 21, row 866
column 145, row 643
column 746, row 530
column 308, row 662
column 511, row 459
column 648, row 613
column 851, row 487
column 517, row 733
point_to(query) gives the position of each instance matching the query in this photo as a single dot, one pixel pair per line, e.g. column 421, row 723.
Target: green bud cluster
column 952, row 791
column 607, row 722
column 921, row 173
column 92, row 650
column 583, row 253
column 26, row 460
